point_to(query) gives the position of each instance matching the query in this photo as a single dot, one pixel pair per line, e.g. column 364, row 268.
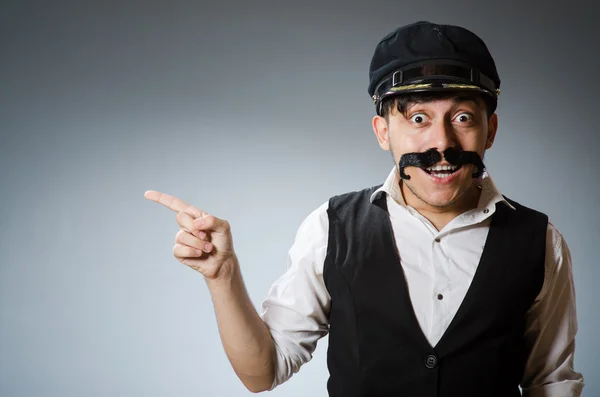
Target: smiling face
column 459, row 122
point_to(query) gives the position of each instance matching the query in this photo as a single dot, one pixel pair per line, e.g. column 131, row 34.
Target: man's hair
column 401, row 102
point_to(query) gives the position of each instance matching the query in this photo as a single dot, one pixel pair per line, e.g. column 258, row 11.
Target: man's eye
column 418, row 118
column 464, row 117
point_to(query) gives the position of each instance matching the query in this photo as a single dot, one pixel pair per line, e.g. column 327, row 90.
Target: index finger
column 171, row 202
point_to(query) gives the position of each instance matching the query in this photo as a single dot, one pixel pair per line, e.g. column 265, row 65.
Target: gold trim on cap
column 467, row 86
column 410, row 87
column 474, row 87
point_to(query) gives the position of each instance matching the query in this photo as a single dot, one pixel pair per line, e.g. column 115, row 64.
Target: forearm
column 552, row 327
column 246, row 338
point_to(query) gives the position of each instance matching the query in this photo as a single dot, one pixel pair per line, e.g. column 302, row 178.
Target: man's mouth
column 442, row 171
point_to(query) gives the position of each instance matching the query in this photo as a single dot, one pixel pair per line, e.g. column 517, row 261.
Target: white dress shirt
column 438, row 275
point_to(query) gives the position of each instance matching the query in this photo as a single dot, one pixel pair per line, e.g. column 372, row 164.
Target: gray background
column 256, row 112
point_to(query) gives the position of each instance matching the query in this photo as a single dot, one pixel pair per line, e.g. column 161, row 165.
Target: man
column 431, row 284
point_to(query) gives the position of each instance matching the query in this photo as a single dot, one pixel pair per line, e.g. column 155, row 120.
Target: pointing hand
column 203, row 242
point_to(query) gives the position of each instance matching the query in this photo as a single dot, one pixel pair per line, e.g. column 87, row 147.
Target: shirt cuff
column 567, row 388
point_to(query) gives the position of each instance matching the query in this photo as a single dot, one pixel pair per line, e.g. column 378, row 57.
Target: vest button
column 431, row 361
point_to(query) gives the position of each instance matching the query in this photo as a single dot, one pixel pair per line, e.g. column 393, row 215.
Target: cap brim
column 436, row 86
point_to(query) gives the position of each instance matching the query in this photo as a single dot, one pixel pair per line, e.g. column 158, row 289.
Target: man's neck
column 441, row 216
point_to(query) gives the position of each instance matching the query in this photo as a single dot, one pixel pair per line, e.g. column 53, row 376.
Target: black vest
column 376, row 346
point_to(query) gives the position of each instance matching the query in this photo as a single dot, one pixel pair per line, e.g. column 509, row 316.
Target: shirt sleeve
column 551, row 328
column 297, row 306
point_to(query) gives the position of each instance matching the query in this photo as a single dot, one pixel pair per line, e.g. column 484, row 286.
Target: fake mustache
column 432, row 156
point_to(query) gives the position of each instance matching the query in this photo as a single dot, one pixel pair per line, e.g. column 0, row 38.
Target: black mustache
column 432, row 156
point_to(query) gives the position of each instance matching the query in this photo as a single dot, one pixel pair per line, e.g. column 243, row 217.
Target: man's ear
column 380, row 128
column 492, row 129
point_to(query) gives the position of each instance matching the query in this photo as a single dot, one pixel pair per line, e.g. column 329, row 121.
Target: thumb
column 211, row 222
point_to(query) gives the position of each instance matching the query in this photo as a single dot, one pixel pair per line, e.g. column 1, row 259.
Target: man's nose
column 442, row 136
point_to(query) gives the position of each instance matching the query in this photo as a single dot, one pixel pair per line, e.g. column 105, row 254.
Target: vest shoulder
column 526, row 211
column 350, row 198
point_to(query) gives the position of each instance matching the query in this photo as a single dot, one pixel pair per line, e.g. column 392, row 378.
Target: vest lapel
column 389, row 242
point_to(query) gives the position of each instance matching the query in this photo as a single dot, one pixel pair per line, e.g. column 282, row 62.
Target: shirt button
column 437, row 239
column 485, row 211
column 431, row 361
column 440, row 296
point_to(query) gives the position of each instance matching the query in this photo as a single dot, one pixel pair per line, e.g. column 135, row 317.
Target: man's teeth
column 442, row 168
column 442, row 171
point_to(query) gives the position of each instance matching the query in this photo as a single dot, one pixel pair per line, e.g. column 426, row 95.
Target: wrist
column 228, row 272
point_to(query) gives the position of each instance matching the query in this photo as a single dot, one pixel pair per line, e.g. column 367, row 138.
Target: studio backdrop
column 256, row 112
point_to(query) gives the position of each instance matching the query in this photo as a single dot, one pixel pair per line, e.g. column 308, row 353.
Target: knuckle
column 179, row 235
column 182, row 252
column 176, row 250
column 182, row 216
column 191, row 210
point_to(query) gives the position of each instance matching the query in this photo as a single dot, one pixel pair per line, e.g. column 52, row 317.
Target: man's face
column 458, row 123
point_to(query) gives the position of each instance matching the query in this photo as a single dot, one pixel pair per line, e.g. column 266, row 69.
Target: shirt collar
column 490, row 195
